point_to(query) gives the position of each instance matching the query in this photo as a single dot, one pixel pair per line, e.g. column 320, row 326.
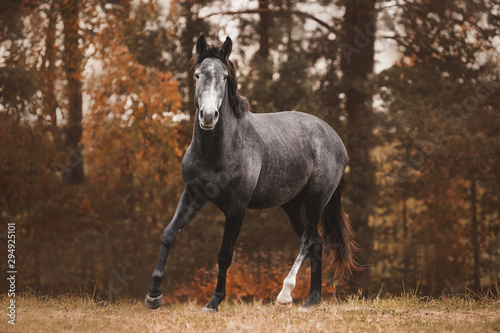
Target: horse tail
column 339, row 236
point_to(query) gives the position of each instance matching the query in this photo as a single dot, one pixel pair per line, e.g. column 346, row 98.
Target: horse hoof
column 208, row 310
column 280, row 306
column 153, row 302
column 307, row 308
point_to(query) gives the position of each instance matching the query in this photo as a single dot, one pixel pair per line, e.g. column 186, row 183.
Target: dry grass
column 408, row 313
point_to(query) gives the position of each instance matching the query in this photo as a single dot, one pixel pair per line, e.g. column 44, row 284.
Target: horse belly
column 279, row 187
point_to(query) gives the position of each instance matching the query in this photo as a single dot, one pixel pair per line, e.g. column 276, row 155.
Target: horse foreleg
column 232, row 229
column 187, row 208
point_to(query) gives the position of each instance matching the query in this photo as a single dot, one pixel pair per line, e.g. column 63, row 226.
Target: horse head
column 211, row 75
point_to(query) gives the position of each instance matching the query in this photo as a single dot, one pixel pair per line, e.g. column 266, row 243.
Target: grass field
column 388, row 314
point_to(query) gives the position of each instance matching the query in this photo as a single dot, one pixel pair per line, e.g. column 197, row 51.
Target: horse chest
column 215, row 182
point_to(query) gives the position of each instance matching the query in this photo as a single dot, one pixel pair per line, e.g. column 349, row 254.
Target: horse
column 238, row 160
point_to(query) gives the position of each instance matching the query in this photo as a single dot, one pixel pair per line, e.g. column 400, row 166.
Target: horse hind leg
column 315, row 259
column 284, row 300
column 311, row 246
column 296, row 213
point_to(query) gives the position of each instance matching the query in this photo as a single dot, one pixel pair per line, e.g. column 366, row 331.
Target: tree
column 357, row 47
column 72, row 58
column 49, row 67
column 442, row 149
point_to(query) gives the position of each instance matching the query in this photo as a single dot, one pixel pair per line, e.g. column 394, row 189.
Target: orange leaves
column 131, row 106
column 132, row 91
column 178, row 152
column 126, row 88
column 251, row 278
column 410, row 61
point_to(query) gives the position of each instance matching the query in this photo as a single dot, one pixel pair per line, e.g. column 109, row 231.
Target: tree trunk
column 407, row 243
column 188, row 45
column 263, row 27
column 357, row 59
column 72, row 64
column 49, row 98
column 475, row 235
column 261, row 96
column 194, row 28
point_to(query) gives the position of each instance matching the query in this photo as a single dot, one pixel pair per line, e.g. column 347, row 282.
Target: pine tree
column 357, row 47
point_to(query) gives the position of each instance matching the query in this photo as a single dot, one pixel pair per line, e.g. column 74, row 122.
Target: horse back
column 293, row 148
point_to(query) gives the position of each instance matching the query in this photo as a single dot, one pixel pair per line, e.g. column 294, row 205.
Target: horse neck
column 214, row 144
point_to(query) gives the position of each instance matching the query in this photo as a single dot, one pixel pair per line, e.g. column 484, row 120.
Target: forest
column 96, row 112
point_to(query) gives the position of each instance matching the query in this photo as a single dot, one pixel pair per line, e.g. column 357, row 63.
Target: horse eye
column 226, row 77
column 196, row 76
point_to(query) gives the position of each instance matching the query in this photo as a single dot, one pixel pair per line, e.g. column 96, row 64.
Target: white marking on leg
column 285, row 295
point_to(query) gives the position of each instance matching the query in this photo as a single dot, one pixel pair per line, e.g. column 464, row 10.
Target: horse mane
column 238, row 103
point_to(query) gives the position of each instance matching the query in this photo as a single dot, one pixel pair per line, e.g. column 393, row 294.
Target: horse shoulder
column 189, row 165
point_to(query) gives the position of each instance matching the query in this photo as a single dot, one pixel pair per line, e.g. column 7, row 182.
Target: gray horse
column 239, row 160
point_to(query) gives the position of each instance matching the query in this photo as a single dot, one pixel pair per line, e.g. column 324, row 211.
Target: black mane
column 238, row 103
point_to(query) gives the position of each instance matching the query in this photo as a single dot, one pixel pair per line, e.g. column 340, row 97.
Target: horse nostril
column 201, row 113
column 216, row 114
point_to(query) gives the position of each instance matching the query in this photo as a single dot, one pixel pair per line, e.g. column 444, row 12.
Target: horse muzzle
column 208, row 119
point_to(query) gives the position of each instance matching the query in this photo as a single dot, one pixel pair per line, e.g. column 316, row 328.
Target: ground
column 387, row 314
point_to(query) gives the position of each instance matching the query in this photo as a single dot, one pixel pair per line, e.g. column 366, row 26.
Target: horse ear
column 201, row 44
column 227, row 47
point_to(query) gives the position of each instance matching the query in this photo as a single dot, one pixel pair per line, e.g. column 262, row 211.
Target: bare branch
column 397, row 4
column 280, row 12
